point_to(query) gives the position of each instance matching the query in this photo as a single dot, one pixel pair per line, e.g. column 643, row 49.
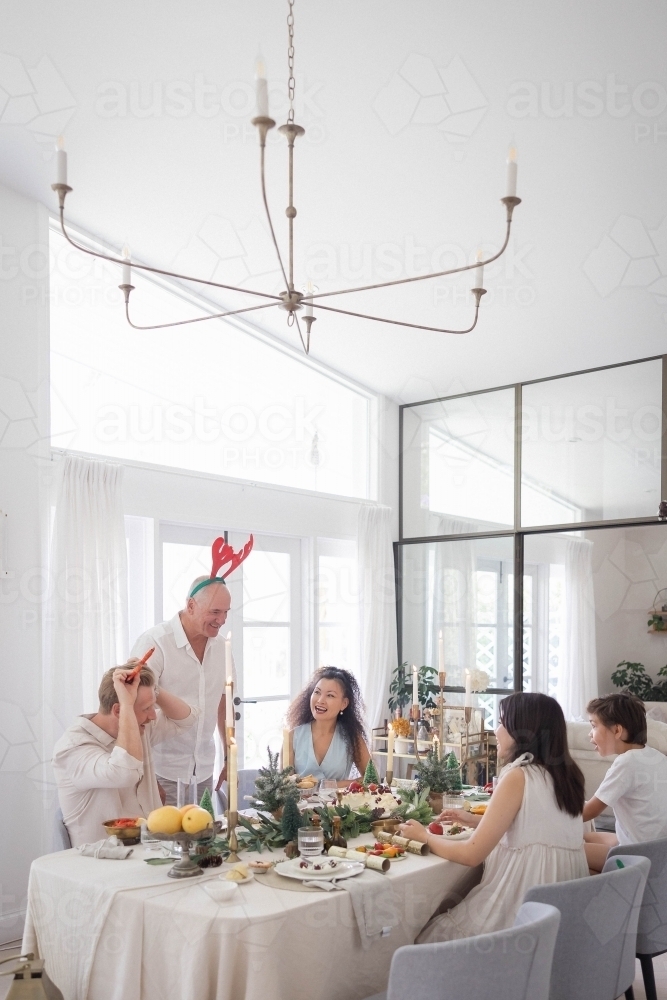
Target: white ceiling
column 377, row 174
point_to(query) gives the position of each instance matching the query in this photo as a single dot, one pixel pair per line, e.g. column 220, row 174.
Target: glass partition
column 591, row 446
column 458, row 465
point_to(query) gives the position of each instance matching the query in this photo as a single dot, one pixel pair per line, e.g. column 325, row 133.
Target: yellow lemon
column 164, row 820
column 185, row 809
column 196, row 820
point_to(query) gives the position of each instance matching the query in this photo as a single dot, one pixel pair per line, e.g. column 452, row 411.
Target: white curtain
column 452, row 601
column 88, row 571
column 377, row 608
column 579, row 674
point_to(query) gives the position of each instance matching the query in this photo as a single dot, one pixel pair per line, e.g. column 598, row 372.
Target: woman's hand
column 458, row 816
column 414, row 831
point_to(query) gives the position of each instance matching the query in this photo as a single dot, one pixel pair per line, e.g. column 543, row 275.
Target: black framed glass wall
column 502, row 496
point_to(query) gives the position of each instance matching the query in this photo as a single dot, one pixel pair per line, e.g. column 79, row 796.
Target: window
column 210, row 398
column 337, row 604
column 265, row 623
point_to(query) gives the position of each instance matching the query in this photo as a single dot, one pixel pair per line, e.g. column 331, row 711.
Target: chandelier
column 298, row 305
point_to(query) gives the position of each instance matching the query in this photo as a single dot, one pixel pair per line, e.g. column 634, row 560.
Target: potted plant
column 400, row 689
column 439, row 776
column 272, row 787
column 633, row 678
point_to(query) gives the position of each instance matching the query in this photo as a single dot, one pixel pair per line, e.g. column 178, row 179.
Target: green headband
column 205, row 583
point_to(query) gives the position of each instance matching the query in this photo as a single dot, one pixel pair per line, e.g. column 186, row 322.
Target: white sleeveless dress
column 543, row 845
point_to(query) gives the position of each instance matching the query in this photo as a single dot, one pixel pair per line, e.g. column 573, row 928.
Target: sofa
column 595, row 767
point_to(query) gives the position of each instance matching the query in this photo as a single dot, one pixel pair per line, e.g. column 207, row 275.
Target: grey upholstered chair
column 513, row 964
column 595, row 949
column 246, row 787
column 61, row 837
column 652, row 929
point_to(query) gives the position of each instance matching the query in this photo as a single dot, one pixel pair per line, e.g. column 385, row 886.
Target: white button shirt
column 98, row 781
column 201, row 685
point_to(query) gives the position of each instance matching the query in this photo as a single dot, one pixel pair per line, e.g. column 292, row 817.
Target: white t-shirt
column 635, row 786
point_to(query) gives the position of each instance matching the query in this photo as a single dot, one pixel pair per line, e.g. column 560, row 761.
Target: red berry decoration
column 435, row 828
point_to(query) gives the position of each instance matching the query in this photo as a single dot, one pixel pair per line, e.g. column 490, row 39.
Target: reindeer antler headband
column 221, row 554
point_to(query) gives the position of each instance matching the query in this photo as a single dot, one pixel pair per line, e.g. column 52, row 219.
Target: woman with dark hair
column 532, row 831
column 328, row 730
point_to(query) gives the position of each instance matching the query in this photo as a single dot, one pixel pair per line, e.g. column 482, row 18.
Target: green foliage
column 256, row 837
column 453, row 779
column 371, row 776
column 207, row 803
column 291, row 819
column 352, row 823
column 434, row 773
column 633, row 678
column 414, row 805
column 400, row 689
column 272, row 785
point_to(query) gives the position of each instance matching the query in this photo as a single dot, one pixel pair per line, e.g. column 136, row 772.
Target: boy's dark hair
column 621, row 710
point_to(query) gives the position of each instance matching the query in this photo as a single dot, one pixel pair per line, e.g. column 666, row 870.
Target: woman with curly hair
column 328, row 732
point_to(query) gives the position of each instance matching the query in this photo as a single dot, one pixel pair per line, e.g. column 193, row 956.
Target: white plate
column 228, row 868
column 457, row 836
column 343, row 869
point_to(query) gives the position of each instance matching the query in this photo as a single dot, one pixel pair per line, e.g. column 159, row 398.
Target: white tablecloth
column 124, row 930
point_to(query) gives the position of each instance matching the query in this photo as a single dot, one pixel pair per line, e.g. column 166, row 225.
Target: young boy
column 635, row 785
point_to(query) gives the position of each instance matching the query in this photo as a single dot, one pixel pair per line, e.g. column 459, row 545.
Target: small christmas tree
column 272, row 785
column 207, row 803
column 291, row 819
column 371, row 776
column 454, row 783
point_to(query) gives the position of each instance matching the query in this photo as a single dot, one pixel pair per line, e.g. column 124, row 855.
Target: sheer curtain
column 88, row 570
column 580, row 674
column 377, row 608
column 452, row 601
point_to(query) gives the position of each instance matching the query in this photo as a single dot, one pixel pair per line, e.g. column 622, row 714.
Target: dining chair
column 595, row 949
column 652, row 928
column 513, row 964
column 61, row 838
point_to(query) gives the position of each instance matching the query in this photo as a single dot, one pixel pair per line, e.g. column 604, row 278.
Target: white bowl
column 219, row 891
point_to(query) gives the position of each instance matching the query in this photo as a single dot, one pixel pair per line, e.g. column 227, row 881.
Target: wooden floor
column 660, row 966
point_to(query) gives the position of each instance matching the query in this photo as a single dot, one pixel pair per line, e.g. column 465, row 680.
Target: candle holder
column 232, row 820
column 388, row 777
column 414, row 715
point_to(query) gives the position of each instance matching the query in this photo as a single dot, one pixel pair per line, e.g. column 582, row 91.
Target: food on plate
column 381, row 850
column 306, row 781
column 261, row 866
column 167, row 820
column 125, row 821
column 321, row 865
column 239, row 873
column 488, row 787
column 478, row 809
column 197, row 819
column 356, row 796
column 436, row 828
column 455, row 829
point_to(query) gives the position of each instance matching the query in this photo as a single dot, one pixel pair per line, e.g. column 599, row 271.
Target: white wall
column 24, row 474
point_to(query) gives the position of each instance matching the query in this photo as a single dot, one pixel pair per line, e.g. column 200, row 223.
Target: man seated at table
column 103, row 763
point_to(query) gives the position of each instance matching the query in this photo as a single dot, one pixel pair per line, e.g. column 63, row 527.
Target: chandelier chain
column 291, row 82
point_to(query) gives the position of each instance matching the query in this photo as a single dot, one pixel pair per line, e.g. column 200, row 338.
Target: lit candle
column 61, row 161
column 261, row 89
column 415, row 685
column 478, row 279
column 229, row 704
column 286, row 754
column 511, row 172
column 232, row 777
column 390, row 749
column 441, row 653
column 127, row 268
column 468, row 698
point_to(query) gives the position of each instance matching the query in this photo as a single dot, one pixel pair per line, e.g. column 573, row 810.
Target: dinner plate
column 457, row 836
column 343, row 869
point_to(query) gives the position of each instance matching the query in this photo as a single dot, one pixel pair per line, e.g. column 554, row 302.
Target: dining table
column 125, row 930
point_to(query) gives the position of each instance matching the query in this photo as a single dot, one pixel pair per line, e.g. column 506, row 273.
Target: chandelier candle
column 477, row 282
column 127, row 265
column 511, row 172
column 61, row 161
column 261, row 89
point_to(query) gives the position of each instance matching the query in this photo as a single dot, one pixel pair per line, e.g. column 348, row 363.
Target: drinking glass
column 328, row 788
column 310, row 841
column 186, row 793
column 453, row 800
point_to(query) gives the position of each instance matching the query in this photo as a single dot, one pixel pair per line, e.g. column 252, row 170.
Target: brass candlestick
column 442, row 678
column 414, row 715
column 232, row 820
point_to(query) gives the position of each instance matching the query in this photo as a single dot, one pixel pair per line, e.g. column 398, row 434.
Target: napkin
column 110, row 848
column 375, row 907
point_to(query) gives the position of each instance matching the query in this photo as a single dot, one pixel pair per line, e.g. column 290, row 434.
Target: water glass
column 186, row 793
column 453, row 800
column 310, row 841
column 328, row 788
